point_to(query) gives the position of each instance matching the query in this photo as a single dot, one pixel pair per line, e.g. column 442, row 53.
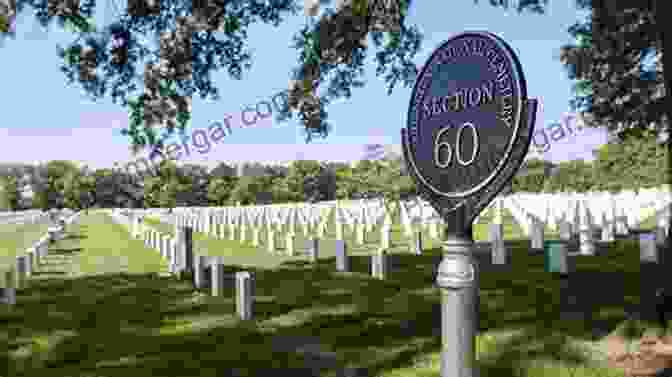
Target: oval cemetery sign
column 465, row 114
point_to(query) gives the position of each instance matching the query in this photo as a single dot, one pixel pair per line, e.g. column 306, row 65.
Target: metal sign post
column 469, row 128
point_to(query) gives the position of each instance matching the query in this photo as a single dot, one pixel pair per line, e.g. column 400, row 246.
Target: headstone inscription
column 469, row 126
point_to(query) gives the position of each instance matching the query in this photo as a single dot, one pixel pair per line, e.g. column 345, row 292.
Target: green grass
column 80, row 318
column 16, row 238
column 115, row 251
column 259, row 258
column 649, row 223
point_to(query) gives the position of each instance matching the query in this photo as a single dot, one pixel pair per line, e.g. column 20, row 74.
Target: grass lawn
column 649, row 223
column 16, row 238
column 102, row 309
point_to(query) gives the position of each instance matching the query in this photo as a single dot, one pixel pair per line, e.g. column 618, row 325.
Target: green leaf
column 360, row 8
column 394, row 40
column 231, row 24
column 4, row 24
column 79, row 24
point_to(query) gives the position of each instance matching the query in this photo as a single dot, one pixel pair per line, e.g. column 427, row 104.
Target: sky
column 46, row 119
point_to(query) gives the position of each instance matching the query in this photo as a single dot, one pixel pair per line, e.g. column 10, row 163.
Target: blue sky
column 45, row 119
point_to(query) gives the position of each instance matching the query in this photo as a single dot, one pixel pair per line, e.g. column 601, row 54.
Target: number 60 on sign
column 445, row 145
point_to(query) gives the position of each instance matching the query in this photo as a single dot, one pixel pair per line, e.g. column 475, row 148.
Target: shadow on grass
column 71, row 236
column 73, row 251
column 309, row 320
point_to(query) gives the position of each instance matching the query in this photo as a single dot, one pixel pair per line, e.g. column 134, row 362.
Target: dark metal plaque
column 469, row 124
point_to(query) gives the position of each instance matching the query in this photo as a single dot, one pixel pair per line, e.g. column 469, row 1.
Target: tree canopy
column 198, row 38
column 617, row 62
column 9, row 193
column 616, row 59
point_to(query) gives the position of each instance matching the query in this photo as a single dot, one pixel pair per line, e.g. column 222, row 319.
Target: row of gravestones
column 28, row 212
column 23, row 217
column 576, row 204
column 239, row 232
column 178, row 252
column 218, row 230
column 245, row 279
column 579, row 236
column 587, row 212
column 379, row 264
column 558, row 253
column 16, row 276
column 573, row 224
column 418, row 212
column 575, row 228
column 216, row 225
column 378, row 260
column 283, row 219
column 603, row 207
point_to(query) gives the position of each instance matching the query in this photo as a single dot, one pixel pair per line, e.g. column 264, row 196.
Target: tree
column 39, row 187
column 78, row 189
column 280, row 190
column 7, row 17
column 118, row 188
column 220, row 188
column 277, row 172
column 302, row 181
column 386, row 180
column 197, row 194
column 364, row 173
column 170, row 187
column 615, row 85
column 17, row 178
column 50, row 190
column 107, row 62
column 532, row 180
column 9, row 193
column 155, row 192
column 106, row 193
column 346, row 183
column 326, row 183
column 571, row 176
column 633, row 163
column 267, row 193
column 223, row 170
column 247, row 189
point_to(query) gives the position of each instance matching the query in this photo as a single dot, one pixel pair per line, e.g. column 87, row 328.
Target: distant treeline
column 635, row 163
column 64, row 184
column 631, row 164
